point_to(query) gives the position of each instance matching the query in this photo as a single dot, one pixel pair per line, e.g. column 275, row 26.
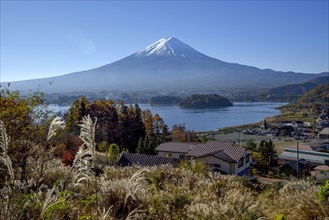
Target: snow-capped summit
column 166, row 65
column 169, row 46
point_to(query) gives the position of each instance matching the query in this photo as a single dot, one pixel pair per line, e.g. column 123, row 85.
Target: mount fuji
column 168, row 64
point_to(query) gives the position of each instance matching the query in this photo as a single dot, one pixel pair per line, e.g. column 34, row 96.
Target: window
column 182, row 157
column 216, row 167
column 169, row 155
column 240, row 164
column 248, row 158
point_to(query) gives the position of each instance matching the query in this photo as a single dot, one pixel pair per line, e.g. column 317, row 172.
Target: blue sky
column 48, row 38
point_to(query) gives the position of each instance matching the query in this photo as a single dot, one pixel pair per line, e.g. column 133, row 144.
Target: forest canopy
column 205, row 101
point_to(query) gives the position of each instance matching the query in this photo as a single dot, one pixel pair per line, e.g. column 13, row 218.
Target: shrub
column 197, row 167
column 67, row 158
column 71, row 143
column 102, row 146
column 158, row 178
column 280, row 217
column 169, row 205
column 296, row 199
column 125, row 195
column 324, row 193
column 62, row 208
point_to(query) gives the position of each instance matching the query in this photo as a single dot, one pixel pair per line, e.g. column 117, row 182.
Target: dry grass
column 161, row 192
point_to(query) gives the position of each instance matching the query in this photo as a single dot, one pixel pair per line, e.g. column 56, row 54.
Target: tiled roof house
column 225, row 157
column 129, row 159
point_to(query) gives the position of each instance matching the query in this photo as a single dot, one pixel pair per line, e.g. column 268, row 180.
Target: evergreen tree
column 147, row 118
column 251, row 145
column 146, row 145
column 138, row 113
column 265, row 156
column 114, row 153
column 140, row 147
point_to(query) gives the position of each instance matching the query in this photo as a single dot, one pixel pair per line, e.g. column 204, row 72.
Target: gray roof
column 177, row 147
column 302, row 165
column 312, row 156
column 224, row 150
column 324, row 131
column 129, row 159
column 222, row 155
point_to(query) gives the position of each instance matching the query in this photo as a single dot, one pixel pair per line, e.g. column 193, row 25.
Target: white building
column 322, row 172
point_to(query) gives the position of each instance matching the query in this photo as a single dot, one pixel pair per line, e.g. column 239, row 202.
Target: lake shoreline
column 209, row 119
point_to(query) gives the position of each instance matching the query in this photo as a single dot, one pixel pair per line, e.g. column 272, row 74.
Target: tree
column 138, row 113
column 140, row 147
column 265, row 156
column 160, row 129
column 179, row 133
column 145, row 146
column 251, row 145
column 157, row 120
column 108, row 122
column 267, row 149
column 131, row 127
column 78, row 110
column 131, row 111
column 191, row 136
column 147, row 118
column 25, row 120
column 114, row 153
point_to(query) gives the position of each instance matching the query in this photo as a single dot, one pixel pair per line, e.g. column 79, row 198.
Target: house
column 129, row 159
column 322, row 122
column 224, row 157
column 320, row 145
column 315, row 158
column 297, row 124
column 321, row 172
column 308, row 124
column 324, row 134
column 284, row 130
column 325, row 110
column 304, row 168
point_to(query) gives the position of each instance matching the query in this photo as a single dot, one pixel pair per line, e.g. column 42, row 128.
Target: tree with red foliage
column 68, row 157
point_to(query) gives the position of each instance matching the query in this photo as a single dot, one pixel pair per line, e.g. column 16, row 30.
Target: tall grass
column 4, row 158
column 84, row 160
column 160, row 192
column 55, row 125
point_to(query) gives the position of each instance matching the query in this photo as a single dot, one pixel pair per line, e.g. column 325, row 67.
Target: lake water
column 209, row 119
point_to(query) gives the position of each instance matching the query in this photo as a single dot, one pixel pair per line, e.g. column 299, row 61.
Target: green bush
column 324, row 193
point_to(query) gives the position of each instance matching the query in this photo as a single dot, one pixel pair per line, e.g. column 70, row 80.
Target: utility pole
column 239, row 139
column 297, row 160
column 269, row 166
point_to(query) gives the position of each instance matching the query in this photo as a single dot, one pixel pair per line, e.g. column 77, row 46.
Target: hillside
column 167, row 65
column 80, row 181
column 318, row 94
column 204, row 101
column 292, row 92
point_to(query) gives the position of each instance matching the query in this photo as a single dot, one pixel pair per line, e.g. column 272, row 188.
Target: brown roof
column 227, row 151
column 322, row 167
column 300, row 146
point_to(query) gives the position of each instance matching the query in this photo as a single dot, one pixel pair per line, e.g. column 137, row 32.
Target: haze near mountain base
column 168, row 64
